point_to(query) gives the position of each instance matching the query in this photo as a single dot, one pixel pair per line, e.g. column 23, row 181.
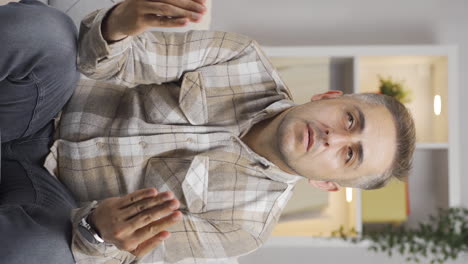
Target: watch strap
column 84, row 223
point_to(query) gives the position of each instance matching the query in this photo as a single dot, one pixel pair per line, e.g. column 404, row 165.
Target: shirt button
column 142, row 144
column 233, row 138
column 100, row 144
column 190, row 140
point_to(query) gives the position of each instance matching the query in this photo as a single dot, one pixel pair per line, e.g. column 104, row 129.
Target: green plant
column 444, row 236
column 395, row 89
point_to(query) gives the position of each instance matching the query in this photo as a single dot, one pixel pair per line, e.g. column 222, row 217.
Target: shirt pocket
column 188, row 180
column 192, row 99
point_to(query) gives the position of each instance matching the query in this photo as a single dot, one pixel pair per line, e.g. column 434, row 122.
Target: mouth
column 308, row 138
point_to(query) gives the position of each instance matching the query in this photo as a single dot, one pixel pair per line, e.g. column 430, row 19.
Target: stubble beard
column 278, row 146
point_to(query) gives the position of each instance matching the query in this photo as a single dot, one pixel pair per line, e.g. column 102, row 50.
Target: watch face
column 86, row 234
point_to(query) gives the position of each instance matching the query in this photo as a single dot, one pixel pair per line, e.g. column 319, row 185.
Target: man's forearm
column 150, row 58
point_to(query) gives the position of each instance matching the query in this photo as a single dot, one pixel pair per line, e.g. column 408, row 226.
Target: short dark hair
column 405, row 140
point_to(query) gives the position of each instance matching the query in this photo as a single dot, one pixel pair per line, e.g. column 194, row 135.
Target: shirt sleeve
column 86, row 252
column 152, row 57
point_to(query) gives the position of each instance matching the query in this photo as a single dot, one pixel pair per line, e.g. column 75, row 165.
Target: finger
column 155, row 227
column 142, row 205
column 189, row 5
column 124, row 232
column 150, row 244
column 167, row 10
column 153, row 214
column 137, row 196
column 155, row 21
column 203, row 2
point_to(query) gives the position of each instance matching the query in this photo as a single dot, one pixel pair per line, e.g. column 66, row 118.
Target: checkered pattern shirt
column 168, row 110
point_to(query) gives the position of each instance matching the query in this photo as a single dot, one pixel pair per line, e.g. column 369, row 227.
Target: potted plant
column 444, row 236
column 395, row 89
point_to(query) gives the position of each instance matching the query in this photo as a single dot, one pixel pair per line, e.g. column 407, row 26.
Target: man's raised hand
column 133, row 17
column 136, row 222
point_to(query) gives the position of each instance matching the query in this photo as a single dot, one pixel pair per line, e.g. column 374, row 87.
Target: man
column 204, row 118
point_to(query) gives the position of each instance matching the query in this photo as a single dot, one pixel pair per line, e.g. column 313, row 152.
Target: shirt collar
column 270, row 169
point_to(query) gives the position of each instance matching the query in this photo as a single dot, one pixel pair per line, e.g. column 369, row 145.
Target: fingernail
column 164, row 237
column 196, row 16
column 168, row 196
column 177, row 217
column 173, row 205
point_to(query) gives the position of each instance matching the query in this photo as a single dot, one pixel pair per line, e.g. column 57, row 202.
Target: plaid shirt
column 170, row 115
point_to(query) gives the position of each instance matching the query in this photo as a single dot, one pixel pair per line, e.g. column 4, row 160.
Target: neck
column 258, row 138
column 261, row 138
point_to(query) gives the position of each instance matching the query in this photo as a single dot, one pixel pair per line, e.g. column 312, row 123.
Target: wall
column 357, row 22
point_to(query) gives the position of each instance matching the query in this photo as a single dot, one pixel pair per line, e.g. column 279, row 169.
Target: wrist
column 88, row 231
column 91, row 222
column 110, row 27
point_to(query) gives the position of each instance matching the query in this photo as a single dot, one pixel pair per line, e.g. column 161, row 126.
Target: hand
column 136, row 222
column 133, row 17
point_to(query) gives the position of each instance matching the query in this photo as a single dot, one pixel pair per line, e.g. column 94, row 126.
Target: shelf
column 308, row 242
column 432, row 145
column 425, row 77
column 320, row 222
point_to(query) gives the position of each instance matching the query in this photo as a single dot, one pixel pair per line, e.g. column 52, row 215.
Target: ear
column 325, row 185
column 327, row 95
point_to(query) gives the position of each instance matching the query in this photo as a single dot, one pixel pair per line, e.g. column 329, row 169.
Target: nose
column 339, row 138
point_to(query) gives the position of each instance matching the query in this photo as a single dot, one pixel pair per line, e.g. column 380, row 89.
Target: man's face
column 340, row 140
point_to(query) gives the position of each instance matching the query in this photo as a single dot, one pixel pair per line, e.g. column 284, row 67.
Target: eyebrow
column 361, row 118
column 360, row 155
column 362, row 125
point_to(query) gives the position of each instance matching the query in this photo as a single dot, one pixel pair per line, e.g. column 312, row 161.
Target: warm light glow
column 349, row 195
column 437, row 105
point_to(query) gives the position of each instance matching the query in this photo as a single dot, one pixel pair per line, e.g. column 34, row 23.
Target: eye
column 350, row 120
column 349, row 155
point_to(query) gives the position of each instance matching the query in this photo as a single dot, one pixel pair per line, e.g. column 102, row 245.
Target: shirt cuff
column 101, row 47
column 83, row 249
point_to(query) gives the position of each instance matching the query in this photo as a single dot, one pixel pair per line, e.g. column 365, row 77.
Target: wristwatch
column 88, row 232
